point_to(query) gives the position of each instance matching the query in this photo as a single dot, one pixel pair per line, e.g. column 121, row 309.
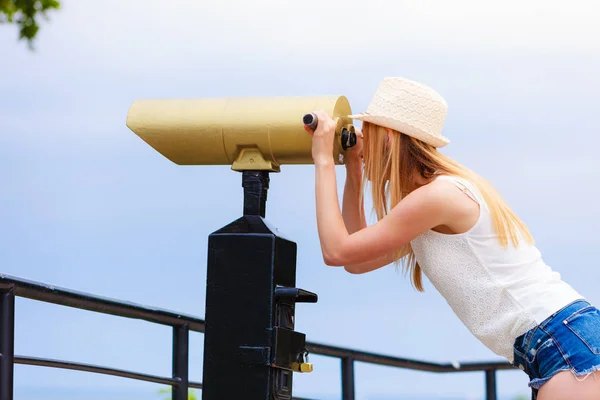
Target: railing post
column 181, row 340
column 490, row 384
column 7, row 343
column 347, row 378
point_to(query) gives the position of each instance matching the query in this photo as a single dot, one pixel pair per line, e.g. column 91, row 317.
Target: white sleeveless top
column 499, row 294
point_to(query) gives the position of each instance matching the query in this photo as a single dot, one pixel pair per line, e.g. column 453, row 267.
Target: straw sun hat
column 408, row 107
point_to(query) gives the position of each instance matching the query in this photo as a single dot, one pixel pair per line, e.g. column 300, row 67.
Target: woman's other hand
column 322, row 138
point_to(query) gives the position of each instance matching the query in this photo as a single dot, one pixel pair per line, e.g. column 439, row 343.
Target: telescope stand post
column 250, row 347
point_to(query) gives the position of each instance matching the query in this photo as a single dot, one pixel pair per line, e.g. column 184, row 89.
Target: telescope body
column 248, row 133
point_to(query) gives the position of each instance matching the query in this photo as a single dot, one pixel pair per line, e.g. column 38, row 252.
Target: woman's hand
column 354, row 155
column 322, row 138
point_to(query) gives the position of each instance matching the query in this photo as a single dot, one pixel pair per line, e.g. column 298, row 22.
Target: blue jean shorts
column 568, row 340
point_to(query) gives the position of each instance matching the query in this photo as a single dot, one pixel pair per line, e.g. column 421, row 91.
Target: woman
column 441, row 219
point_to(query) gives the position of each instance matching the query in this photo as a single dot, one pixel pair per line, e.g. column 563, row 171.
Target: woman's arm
column 420, row 211
column 371, row 265
column 353, row 210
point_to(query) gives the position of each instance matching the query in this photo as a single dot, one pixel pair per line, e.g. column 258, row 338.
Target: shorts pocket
column 585, row 324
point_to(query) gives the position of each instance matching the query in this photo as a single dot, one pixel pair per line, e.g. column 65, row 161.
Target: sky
column 86, row 204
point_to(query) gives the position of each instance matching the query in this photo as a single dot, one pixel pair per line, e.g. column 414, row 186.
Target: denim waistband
column 564, row 312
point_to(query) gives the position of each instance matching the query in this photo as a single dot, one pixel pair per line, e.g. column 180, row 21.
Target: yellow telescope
column 249, row 133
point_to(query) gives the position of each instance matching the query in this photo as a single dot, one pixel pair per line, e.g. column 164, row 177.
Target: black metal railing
column 11, row 287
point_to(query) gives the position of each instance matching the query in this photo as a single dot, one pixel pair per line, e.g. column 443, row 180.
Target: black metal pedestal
column 250, row 347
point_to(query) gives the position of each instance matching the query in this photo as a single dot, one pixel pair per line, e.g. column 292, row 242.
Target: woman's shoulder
column 465, row 185
column 449, row 183
column 444, row 191
column 452, row 178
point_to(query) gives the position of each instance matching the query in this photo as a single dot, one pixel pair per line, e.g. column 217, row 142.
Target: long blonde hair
column 390, row 168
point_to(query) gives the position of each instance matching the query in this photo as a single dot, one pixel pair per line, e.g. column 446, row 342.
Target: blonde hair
column 390, row 168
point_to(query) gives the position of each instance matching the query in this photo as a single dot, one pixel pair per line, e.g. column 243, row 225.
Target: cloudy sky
column 86, row 204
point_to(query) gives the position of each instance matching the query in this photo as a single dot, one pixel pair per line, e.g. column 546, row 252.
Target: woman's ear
column 388, row 137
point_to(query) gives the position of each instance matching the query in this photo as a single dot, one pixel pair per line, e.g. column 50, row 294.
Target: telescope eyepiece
column 348, row 139
column 310, row 120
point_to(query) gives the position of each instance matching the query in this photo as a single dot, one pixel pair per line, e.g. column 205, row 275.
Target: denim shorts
column 568, row 340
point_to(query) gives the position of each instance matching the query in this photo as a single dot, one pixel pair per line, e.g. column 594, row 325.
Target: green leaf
column 25, row 14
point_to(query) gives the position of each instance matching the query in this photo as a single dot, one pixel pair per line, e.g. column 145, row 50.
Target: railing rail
column 85, row 301
column 75, row 366
column 11, row 287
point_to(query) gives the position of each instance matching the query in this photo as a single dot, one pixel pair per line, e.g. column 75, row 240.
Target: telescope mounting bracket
column 251, row 159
